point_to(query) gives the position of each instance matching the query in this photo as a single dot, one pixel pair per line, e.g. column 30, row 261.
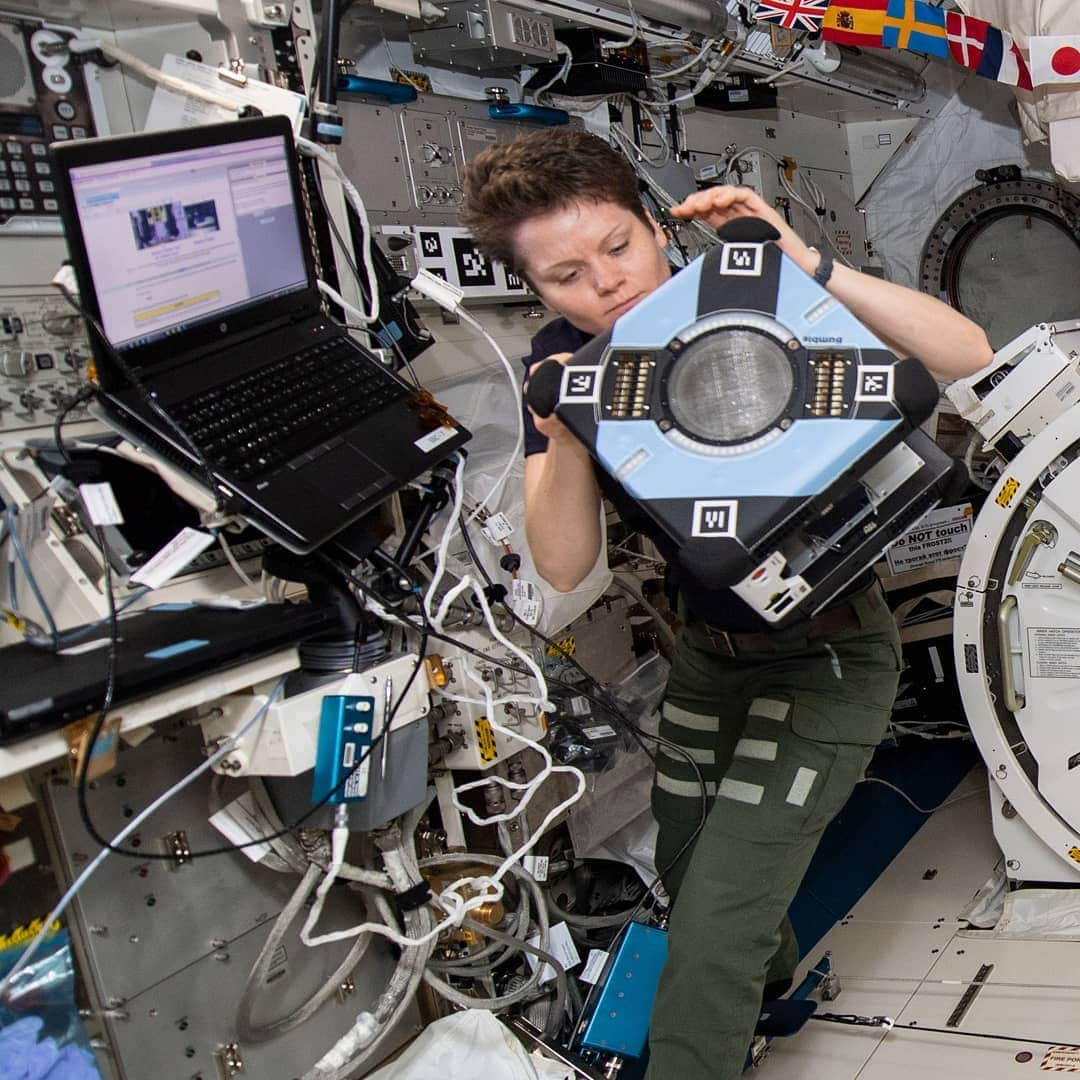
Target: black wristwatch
column 824, row 268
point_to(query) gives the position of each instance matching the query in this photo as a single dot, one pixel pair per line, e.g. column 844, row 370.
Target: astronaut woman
column 781, row 723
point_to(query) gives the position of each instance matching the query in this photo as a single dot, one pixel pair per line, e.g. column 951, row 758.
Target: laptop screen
column 176, row 239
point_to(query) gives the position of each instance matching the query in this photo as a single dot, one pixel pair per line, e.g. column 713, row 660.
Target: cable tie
column 494, row 594
column 414, row 898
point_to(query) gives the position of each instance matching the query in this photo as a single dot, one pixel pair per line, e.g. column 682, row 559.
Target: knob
column 16, row 364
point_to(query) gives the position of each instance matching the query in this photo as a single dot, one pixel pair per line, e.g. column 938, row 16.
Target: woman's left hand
column 716, row 206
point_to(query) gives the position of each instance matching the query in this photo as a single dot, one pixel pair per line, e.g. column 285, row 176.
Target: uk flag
column 792, row 14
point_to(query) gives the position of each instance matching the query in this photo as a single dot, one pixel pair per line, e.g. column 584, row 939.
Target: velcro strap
column 414, row 898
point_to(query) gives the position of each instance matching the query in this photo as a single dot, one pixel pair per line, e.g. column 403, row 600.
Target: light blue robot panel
column 658, row 318
column 814, row 316
column 803, row 461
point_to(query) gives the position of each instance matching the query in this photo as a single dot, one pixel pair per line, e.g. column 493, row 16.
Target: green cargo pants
column 781, row 733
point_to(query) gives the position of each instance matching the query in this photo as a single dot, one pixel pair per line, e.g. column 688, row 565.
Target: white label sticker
column 435, row 438
column 475, row 133
column 941, row 535
column 1061, row 1059
column 101, row 504
column 172, row 558
column 239, row 823
column 537, row 865
column 1054, row 652
column 497, row 527
column 561, row 946
column 599, row 731
column 594, row 966
column 580, row 706
column 527, row 601
column 357, row 784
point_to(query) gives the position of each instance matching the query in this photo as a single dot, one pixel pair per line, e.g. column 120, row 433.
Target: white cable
column 635, row 30
column 306, row 146
column 907, row 798
column 130, row 827
column 227, row 549
column 349, row 309
column 519, row 440
column 815, row 209
column 339, row 838
column 659, row 123
column 664, row 197
column 560, row 75
column 170, row 82
column 973, row 445
column 713, row 68
column 707, row 47
column 450, row 303
column 488, row 888
column 787, row 69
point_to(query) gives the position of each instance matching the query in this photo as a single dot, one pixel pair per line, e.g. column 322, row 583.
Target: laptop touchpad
column 345, row 471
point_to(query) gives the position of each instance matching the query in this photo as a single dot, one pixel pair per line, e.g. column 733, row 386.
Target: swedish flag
column 915, row 26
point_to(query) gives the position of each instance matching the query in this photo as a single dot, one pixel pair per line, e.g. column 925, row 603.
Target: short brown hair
column 536, row 174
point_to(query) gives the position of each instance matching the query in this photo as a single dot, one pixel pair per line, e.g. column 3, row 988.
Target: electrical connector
column 441, row 292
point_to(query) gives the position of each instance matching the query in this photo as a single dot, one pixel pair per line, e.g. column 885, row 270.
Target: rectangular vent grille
column 830, row 374
column 630, row 393
column 971, row 659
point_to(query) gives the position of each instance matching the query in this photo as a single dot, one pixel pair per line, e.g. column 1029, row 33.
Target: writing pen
column 388, row 693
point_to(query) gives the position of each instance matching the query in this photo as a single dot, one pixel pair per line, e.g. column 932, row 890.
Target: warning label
column 940, row 536
column 1061, row 1059
column 1054, row 652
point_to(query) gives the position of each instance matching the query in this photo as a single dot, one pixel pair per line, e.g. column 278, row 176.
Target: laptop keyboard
column 289, row 409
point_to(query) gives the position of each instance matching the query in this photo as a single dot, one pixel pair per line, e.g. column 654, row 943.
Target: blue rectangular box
column 620, row 1022
column 344, row 738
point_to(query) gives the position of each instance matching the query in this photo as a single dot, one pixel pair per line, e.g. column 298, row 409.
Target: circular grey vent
column 730, row 386
column 16, row 87
column 1007, row 255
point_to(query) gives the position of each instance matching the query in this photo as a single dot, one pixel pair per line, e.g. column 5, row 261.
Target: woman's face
column 592, row 261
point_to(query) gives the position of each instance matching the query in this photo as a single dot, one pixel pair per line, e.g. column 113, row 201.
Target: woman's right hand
column 551, row 426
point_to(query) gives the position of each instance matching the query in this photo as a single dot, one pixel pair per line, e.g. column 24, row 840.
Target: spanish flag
column 856, row 22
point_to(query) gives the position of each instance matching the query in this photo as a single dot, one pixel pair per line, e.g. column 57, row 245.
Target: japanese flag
column 1055, row 59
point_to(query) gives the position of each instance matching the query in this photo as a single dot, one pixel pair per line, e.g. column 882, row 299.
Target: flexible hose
column 360, row 1043
column 246, row 1027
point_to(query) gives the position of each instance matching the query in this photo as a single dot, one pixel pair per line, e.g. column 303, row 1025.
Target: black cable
column 634, row 729
column 430, row 631
column 874, row 1021
column 84, row 393
column 136, row 380
column 361, row 280
column 630, row 726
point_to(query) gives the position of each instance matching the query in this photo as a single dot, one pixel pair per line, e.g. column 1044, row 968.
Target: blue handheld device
column 344, row 739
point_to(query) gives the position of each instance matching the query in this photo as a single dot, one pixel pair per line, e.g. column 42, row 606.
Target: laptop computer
column 191, row 249
column 157, row 648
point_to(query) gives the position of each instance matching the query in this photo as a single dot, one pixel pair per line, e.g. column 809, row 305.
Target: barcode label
column 497, row 528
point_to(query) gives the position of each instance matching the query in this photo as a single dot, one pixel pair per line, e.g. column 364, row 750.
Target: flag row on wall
column 922, row 28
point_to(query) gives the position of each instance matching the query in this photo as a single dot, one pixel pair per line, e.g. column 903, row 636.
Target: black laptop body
column 192, row 252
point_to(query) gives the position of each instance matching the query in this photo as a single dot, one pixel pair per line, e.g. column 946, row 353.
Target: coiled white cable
column 320, row 153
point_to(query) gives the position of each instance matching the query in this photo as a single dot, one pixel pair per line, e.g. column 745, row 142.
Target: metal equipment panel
column 408, row 160
column 169, row 943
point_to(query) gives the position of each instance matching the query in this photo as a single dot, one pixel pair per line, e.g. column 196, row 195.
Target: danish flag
column 792, row 14
column 986, row 50
column 967, row 38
